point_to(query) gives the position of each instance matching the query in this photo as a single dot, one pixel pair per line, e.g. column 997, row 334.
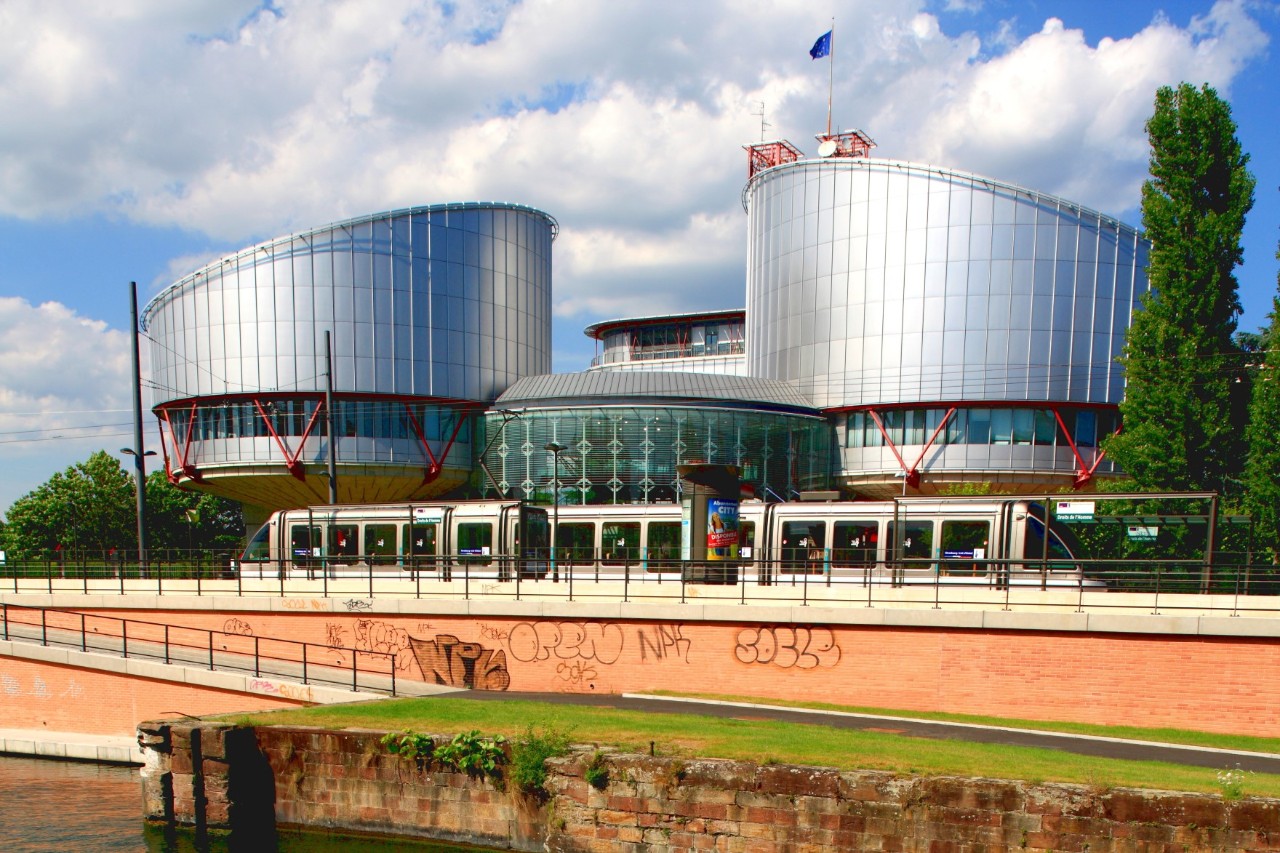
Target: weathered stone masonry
column 215, row 776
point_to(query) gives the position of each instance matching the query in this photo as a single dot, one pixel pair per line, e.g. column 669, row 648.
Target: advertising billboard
column 722, row 529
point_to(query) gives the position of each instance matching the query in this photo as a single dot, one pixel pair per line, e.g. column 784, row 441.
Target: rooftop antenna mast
column 824, row 47
column 831, row 70
column 763, row 123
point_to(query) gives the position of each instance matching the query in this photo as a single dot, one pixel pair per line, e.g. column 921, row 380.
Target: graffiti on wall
column 589, row 641
column 238, row 627
column 370, row 635
column 663, row 642
column 39, row 688
column 577, row 674
column 447, row 660
column 788, row 646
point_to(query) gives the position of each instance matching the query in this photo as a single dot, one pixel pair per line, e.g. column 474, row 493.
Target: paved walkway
column 1106, row 747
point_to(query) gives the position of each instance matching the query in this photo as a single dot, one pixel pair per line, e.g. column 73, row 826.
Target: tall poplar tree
column 1184, row 409
column 1262, row 470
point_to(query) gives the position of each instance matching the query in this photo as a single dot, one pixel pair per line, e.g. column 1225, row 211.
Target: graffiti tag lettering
column 305, row 604
column 489, row 632
column 663, row 641
column 356, row 605
column 297, row 692
column 530, row 641
column 577, row 674
column 373, row 636
column 237, row 626
column 788, row 646
column 449, row 661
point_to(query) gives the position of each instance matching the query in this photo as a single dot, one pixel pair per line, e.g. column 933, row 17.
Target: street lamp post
column 555, row 451
column 140, row 485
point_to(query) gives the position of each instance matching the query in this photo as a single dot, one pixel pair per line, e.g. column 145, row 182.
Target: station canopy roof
column 644, row 388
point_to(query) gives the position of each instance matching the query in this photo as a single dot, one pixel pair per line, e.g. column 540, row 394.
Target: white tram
column 411, row 539
column 992, row 540
column 956, row 540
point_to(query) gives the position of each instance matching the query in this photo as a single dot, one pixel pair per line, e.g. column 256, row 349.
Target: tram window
column 538, row 530
column 1033, row 547
column 576, row 541
column 380, row 541
column 620, row 542
column 419, row 543
column 747, row 539
column 964, row 547
column 917, row 540
column 802, row 546
column 664, row 544
column 344, row 540
column 259, row 548
column 854, row 543
column 301, row 538
column 475, row 542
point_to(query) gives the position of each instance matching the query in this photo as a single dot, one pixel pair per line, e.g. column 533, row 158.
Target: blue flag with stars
column 821, row 47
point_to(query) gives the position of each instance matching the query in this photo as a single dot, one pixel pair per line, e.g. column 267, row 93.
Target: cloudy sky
column 142, row 138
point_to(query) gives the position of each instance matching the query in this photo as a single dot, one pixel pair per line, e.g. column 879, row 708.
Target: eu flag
column 822, row 46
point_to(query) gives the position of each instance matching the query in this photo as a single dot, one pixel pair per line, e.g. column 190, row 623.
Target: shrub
column 529, row 754
column 474, row 755
column 597, row 774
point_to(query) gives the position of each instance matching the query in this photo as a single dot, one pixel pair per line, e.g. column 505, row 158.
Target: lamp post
column 555, row 451
column 140, row 485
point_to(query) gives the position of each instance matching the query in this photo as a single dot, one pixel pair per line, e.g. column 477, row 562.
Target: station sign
column 1142, row 533
column 1074, row 510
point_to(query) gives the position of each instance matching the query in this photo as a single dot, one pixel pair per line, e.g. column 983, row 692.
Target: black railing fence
column 1231, row 584
column 215, row 650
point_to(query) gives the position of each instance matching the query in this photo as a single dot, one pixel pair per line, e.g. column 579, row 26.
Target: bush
column 474, row 755
column 529, row 754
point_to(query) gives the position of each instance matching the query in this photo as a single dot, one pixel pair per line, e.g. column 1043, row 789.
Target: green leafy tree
column 1262, row 469
column 89, row 508
column 184, row 520
column 1184, row 410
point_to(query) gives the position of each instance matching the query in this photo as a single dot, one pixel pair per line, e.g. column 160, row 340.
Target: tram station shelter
column 906, row 327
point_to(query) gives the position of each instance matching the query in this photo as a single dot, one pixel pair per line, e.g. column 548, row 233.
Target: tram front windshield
column 259, row 548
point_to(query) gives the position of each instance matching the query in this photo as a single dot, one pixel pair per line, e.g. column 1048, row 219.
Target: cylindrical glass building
column 955, row 327
column 432, row 312
column 622, row 436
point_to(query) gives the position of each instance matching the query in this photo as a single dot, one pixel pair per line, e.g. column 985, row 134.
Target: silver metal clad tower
column 932, row 313
column 434, row 311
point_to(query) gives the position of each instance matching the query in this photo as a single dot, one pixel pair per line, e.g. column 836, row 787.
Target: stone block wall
column 657, row 804
column 210, row 777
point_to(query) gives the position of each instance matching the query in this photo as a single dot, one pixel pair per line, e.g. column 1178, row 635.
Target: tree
column 1183, row 411
column 1262, row 468
column 184, row 520
column 87, row 508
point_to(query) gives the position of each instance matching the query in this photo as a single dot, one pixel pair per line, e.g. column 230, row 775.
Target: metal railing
column 1231, row 586
column 214, row 650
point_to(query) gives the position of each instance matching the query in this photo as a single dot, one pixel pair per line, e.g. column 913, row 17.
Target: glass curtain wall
column 629, row 454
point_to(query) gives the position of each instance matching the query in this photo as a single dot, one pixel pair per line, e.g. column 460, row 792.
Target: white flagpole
column 831, row 66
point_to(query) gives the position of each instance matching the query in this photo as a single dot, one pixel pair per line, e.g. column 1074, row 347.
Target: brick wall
column 347, row 780
column 57, row 698
column 1194, row 682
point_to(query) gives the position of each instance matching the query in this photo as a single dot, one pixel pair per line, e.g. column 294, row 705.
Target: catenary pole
column 139, row 452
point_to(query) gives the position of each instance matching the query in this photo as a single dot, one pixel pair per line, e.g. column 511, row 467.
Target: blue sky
column 144, row 139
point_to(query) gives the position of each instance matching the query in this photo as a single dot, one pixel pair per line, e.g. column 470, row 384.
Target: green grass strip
column 1185, row 737
column 764, row 742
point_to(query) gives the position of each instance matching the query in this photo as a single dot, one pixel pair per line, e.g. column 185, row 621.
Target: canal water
column 48, row 806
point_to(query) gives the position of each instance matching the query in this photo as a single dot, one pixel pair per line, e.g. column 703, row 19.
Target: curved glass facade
column 629, row 454
column 874, row 281
column 433, row 312
column 881, row 284
column 452, row 301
